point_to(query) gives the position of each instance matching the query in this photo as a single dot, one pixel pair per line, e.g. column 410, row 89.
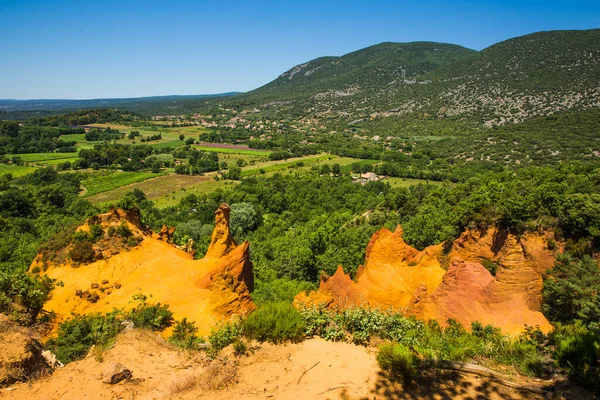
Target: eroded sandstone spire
column 221, row 241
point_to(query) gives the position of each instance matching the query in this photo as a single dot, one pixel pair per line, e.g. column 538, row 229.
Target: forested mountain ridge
column 371, row 69
column 532, row 75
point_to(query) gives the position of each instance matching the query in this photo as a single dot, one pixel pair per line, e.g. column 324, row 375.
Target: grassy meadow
column 117, row 179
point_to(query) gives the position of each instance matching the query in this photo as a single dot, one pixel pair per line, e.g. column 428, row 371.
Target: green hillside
column 369, row 69
column 532, row 75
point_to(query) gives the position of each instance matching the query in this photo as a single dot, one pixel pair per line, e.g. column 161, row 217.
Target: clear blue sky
column 92, row 49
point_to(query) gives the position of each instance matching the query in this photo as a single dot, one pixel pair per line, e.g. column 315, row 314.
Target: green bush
column 222, row 336
column 156, row 317
column 56, row 242
column 239, row 347
column 275, row 323
column 578, row 351
column 184, row 335
column 128, row 202
column 133, row 241
column 454, row 343
column 360, row 324
column 123, row 230
column 399, row 362
column 27, row 291
column 96, row 232
column 571, row 290
column 491, row 266
column 77, row 335
column 81, row 236
column 82, row 252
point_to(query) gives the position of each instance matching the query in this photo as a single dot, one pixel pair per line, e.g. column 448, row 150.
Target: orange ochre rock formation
column 396, row 275
column 206, row 291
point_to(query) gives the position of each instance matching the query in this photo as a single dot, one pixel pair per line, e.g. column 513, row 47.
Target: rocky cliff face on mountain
column 206, row 291
column 432, row 284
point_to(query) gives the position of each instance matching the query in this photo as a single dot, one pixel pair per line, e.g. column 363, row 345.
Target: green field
column 15, row 170
column 165, row 190
column 248, row 159
column 406, row 182
column 170, row 144
column 39, row 157
column 74, row 137
column 57, row 161
column 280, row 166
column 207, row 186
column 250, row 152
column 103, row 183
column 170, row 136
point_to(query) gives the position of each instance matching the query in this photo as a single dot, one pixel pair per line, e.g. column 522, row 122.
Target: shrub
column 430, row 340
column 481, row 331
column 82, row 252
column 27, row 291
column 77, row 335
column 275, row 323
column 239, row 347
column 222, row 336
column 57, row 242
column 156, row 317
column 128, row 202
column 81, row 236
column 399, row 362
column 578, row 351
column 133, row 241
column 96, row 232
column 123, row 230
column 361, row 324
column 571, row 290
column 184, row 335
column 490, row 266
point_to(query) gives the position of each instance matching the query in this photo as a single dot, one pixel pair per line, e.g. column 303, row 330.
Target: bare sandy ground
column 314, row 369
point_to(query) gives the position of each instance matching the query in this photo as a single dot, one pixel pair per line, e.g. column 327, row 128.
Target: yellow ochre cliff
column 207, row 291
column 396, row 275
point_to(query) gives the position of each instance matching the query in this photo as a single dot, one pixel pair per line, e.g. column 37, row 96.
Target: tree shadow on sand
column 446, row 385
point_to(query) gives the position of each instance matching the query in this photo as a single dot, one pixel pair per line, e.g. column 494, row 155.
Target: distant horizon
column 70, row 50
column 233, row 92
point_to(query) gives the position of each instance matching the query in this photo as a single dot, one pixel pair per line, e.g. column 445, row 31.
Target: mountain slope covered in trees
column 373, row 68
column 532, row 75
